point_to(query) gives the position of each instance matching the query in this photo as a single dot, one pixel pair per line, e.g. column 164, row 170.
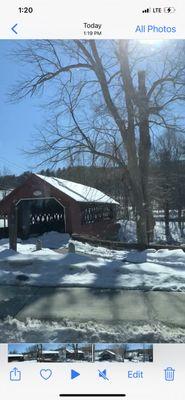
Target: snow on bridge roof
column 4, row 193
column 45, row 352
column 77, row 191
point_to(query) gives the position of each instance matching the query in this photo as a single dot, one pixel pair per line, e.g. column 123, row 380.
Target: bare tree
column 107, row 98
column 169, row 170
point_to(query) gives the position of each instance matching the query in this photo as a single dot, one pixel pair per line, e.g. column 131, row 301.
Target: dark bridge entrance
column 36, row 216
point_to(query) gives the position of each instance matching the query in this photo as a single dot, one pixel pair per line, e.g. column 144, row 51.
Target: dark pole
column 12, row 224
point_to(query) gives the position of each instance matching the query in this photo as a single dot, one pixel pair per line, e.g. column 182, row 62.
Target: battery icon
column 169, row 10
column 169, row 374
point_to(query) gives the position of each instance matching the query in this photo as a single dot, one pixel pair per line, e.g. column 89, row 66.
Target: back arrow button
column 13, row 29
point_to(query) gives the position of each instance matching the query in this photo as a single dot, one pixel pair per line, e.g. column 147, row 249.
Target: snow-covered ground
column 35, row 331
column 91, row 266
column 127, row 232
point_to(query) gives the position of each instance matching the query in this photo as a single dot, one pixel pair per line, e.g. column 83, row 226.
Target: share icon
column 103, row 374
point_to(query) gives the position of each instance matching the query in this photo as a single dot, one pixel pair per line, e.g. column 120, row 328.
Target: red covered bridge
column 45, row 203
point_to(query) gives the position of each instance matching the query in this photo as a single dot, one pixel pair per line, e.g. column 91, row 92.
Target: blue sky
column 17, row 121
column 22, row 347
column 130, row 346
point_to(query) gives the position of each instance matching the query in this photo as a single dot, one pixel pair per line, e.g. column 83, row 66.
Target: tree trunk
column 137, row 196
column 141, row 229
column 144, row 152
column 138, row 159
column 138, row 168
column 167, row 221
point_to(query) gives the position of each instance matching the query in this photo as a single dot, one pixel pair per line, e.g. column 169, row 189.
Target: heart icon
column 45, row 373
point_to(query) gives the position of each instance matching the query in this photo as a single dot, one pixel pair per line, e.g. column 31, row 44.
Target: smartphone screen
column 92, row 200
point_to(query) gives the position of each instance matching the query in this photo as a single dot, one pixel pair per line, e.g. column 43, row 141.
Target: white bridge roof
column 77, row 191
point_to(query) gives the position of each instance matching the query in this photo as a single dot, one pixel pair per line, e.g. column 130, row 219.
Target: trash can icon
column 169, row 374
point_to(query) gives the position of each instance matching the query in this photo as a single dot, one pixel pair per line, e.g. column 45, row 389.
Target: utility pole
column 12, row 223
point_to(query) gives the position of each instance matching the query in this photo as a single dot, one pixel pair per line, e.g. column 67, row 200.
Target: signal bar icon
column 147, row 10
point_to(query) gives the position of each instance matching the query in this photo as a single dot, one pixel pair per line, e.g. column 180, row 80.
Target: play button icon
column 74, row 374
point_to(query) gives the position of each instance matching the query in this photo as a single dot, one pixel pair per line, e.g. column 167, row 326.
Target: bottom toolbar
column 85, row 370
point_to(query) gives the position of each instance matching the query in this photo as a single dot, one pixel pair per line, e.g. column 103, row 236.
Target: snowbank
column 36, row 331
column 52, row 240
column 94, row 267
